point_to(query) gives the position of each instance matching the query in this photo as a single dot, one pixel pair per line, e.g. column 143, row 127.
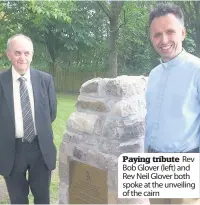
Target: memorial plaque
column 87, row 184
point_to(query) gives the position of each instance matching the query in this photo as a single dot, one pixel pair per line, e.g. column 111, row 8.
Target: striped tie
column 28, row 125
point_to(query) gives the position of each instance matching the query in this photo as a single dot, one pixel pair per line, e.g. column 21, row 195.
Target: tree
column 192, row 25
column 112, row 11
column 46, row 18
column 39, row 20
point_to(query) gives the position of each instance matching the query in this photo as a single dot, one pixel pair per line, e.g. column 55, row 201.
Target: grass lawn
column 66, row 105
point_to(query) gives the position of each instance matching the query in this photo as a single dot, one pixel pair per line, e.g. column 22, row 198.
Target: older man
column 27, row 109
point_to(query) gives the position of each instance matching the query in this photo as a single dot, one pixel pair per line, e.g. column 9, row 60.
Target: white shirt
column 19, row 132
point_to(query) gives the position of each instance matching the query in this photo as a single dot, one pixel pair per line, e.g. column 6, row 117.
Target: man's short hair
column 163, row 9
column 17, row 35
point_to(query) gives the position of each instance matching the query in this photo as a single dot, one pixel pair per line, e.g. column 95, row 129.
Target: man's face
column 167, row 34
column 20, row 53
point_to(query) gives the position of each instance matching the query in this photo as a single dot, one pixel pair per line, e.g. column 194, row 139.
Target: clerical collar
column 175, row 61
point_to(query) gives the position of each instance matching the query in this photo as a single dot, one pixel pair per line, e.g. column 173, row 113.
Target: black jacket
column 45, row 105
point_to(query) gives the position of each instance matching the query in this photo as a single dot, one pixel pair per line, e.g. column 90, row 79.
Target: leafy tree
column 90, row 36
column 112, row 10
column 192, row 23
column 39, row 20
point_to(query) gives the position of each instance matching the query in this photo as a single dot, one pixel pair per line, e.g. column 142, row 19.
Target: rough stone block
column 123, row 129
column 63, row 171
column 132, row 146
column 91, row 104
column 91, row 86
column 113, row 180
column 109, row 146
column 82, row 122
column 126, row 108
column 63, row 193
column 126, row 86
column 133, row 131
column 3, row 190
column 72, row 137
column 63, row 152
column 94, row 87
column 92, row 156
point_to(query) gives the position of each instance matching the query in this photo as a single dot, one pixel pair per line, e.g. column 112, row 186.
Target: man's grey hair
column 163, row 9
column 17, row 35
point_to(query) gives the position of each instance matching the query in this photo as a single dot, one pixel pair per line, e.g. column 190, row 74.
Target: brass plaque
column 88, row 184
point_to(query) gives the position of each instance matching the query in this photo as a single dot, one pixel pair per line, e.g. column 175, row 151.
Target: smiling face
column 20, row 53
column 167, row 34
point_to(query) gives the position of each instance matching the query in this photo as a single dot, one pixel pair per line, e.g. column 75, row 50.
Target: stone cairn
column 109, row 121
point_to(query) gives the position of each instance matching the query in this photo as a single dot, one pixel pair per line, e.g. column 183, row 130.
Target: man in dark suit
column 27, row 109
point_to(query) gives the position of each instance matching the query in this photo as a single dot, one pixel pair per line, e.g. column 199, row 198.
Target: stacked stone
column 3, row 191
column 109, row 121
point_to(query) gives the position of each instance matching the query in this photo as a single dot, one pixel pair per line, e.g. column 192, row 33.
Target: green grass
column 66, row 105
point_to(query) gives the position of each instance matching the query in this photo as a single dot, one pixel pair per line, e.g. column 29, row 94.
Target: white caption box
column 158, row 175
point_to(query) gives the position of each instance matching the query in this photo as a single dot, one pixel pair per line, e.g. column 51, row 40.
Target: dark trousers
column 28, row 159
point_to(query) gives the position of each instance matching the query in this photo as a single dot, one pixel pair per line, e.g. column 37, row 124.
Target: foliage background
column 72, row 37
